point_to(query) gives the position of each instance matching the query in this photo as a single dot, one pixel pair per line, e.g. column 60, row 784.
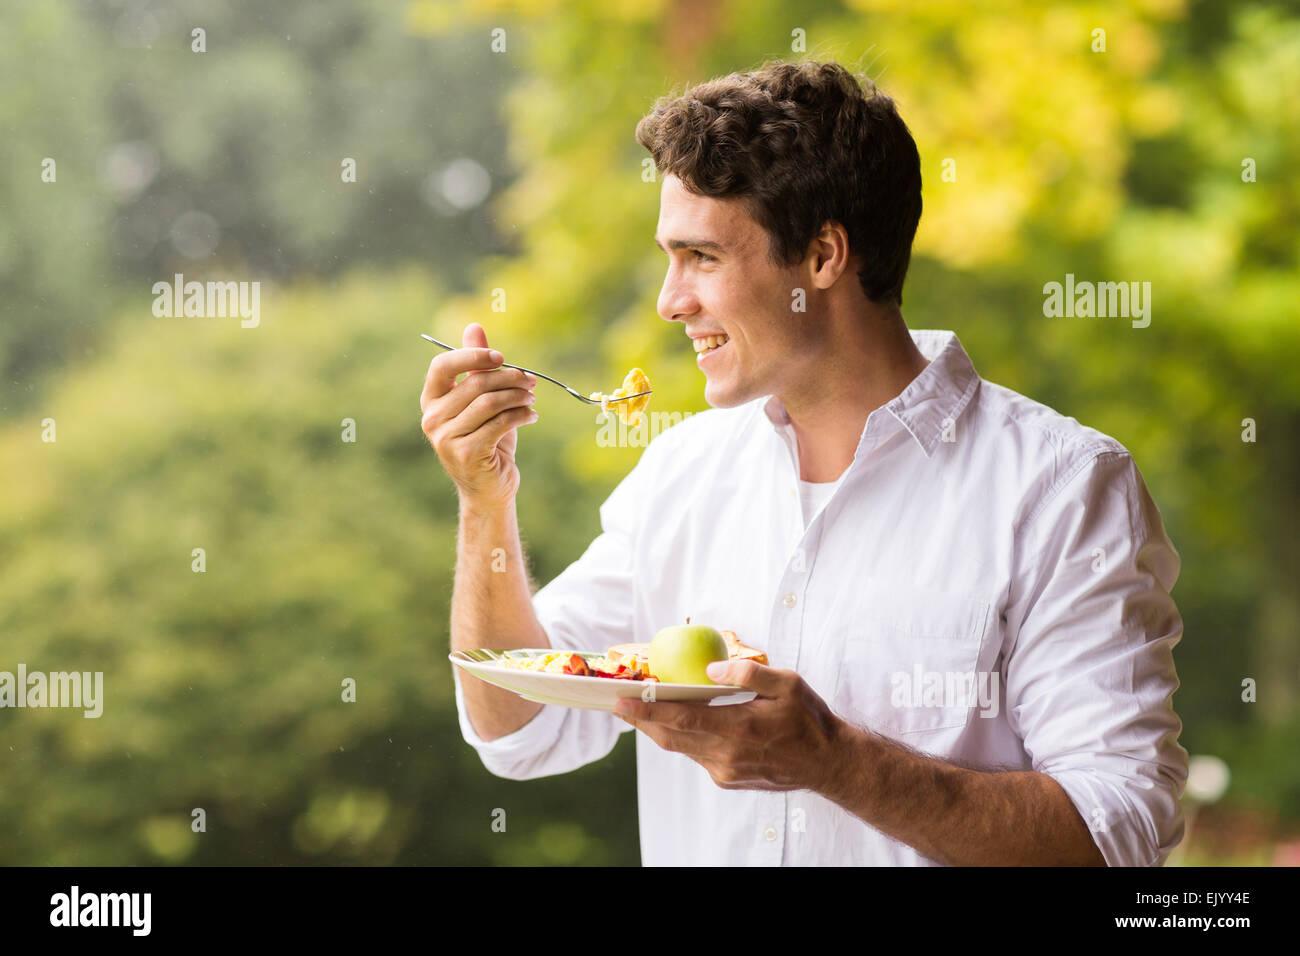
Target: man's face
column 728, row 288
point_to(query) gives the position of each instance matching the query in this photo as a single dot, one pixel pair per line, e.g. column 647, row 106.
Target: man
column 963, row 595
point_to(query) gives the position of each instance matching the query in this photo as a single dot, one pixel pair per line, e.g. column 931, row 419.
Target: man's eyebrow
column 691, row 244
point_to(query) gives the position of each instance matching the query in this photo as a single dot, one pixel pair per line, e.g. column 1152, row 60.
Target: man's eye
column 702, row 256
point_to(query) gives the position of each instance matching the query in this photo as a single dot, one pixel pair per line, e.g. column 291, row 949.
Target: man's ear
column 829, row 255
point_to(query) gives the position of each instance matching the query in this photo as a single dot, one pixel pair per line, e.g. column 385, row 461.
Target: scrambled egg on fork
column 630, row 411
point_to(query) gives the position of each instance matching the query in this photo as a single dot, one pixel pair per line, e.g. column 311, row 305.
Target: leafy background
column 518, row 170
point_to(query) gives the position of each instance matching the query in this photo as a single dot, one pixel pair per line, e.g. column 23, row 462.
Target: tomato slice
column 577, row 666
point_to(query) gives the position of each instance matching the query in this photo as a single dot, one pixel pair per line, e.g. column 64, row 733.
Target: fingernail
column 530, row 379
column 494, row 355
column 717, row 670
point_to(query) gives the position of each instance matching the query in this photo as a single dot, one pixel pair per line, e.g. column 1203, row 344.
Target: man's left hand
column 783, row 739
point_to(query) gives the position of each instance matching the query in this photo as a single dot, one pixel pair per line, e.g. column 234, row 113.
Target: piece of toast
column 624, row 653
column 736, row 651
column 741, row 652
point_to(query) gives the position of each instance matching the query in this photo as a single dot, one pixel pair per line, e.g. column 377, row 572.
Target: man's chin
column 720, row 396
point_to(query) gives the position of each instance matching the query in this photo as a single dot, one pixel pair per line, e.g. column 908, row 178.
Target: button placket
column 795, row 583
column 770, row 829
column 785, row 651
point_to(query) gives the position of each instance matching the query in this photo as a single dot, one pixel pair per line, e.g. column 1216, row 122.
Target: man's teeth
column 710, row 342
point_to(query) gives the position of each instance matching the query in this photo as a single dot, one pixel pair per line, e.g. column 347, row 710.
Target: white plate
column 575, row 690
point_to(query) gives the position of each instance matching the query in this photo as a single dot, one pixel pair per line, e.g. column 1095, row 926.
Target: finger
column 694, row 746
column 690, row 718
column 486, row 408
column 444, row 368
column 764, row 681
column 491, row 431
column 724, row 773
column 474, row 337
column 501, row 379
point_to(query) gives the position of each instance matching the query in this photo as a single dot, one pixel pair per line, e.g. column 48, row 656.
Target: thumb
column 474, row 337
column 750, row 675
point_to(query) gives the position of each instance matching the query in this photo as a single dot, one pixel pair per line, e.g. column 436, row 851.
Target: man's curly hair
column 803, row 144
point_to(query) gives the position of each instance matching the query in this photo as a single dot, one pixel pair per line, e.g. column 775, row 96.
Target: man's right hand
column 472, row 425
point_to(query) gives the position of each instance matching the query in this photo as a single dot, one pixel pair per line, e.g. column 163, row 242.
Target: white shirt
column 975, row 533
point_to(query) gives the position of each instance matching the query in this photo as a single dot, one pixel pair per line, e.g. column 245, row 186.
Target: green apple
column 679, row 654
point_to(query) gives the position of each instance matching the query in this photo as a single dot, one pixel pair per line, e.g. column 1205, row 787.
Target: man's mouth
column 708, row 344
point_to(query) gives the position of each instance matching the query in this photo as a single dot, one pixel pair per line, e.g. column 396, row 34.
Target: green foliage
column 324, row 559
column 251, row 133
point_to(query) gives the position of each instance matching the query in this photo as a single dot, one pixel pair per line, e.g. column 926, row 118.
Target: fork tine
column 627, row 397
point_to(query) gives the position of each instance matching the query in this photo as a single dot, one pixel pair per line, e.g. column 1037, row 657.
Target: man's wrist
column 489, row 511
column 847, row 750
column 863, row 770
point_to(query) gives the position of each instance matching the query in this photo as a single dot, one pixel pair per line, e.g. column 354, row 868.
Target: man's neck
column 851, row 384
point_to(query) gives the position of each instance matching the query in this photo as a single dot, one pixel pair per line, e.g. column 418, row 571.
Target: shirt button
column 769, row 834
column 789, row 600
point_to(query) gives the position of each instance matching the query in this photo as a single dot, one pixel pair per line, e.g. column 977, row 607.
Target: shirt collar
column 931, row 403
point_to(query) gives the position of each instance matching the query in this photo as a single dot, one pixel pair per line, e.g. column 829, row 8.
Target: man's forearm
column 957, row 816
column 491, row 606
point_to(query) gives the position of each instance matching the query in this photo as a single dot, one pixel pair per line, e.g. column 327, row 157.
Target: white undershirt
column 814, row 494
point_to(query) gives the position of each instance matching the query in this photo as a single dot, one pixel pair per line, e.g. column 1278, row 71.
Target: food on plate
column 736, row 651
column 567, row 662
column 624, row 661
column 630, row 411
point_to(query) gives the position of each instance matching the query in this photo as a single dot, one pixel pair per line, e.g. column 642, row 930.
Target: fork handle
column 582, row 398
column 452, row 348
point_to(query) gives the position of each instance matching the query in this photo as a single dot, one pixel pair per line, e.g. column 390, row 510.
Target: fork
column 581, row 398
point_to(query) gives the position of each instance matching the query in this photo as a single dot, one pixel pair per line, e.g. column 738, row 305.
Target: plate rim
column 463, row 660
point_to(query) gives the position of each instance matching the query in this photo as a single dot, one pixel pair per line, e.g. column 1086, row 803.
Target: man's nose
column 676, row 300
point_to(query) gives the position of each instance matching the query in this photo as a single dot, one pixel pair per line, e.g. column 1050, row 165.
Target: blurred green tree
column 324, row 559
column 228, row 161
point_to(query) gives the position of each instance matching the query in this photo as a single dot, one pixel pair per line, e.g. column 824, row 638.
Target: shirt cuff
column 1127, row 831
column 513, row 755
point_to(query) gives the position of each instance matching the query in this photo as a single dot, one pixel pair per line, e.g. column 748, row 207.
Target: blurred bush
column 324, row 560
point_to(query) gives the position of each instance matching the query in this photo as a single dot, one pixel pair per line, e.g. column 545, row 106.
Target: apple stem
column 688, row 620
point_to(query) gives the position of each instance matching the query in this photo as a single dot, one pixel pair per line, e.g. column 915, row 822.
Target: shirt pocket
column 910, row 658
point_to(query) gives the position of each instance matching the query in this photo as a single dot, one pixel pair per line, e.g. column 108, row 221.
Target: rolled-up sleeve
column 1090, row 678
column 588, row 606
